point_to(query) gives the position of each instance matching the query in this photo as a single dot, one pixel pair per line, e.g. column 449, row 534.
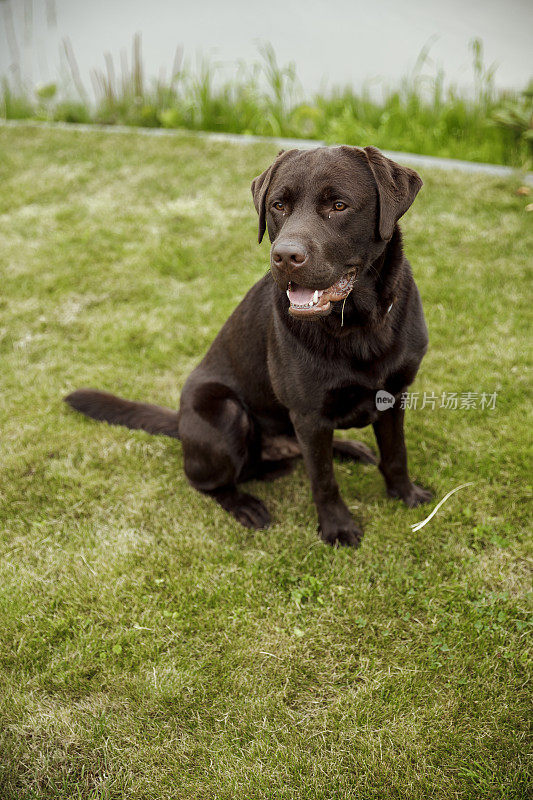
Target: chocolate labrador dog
column 337, row 319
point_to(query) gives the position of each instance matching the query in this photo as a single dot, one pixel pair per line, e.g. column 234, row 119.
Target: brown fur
column 273, row 386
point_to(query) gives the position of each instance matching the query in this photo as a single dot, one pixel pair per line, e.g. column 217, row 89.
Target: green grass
column 420, row 114
column 152, row 648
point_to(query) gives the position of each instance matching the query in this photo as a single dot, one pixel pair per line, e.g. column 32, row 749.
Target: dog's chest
column 350, row 406
column 354, row 404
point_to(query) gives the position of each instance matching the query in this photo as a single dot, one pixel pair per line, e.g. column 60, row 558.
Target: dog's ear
column 260, row 187
column 397, row 188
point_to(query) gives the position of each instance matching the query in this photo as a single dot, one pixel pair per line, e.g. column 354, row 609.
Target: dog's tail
column 117, row 411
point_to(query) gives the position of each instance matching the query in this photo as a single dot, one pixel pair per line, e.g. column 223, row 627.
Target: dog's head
column 329, row 213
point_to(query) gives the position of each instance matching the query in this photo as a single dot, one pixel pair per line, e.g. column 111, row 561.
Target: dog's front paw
column 412, row 495
column 346, row 534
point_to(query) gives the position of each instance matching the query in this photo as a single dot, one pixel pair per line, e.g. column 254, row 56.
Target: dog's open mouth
column 317, row 303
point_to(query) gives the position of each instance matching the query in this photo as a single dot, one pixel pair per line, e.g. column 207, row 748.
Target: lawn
column 152, row 648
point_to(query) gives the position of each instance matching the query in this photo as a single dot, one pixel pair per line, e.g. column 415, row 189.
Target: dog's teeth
column 315, row 296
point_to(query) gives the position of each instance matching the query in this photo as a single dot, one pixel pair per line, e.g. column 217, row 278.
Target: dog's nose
column 288, row 255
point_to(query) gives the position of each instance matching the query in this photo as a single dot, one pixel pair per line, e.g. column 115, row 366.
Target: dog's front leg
column 393, row 458
column 336, row 525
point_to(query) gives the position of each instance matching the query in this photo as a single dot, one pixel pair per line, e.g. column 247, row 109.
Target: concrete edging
column 429, row 162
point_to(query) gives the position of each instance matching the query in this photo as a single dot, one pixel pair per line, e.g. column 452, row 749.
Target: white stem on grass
column 417, row 525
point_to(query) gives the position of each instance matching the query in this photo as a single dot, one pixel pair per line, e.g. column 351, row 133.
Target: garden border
column 430, row 162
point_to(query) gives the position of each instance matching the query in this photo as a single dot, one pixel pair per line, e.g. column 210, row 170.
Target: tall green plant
column 515, row 116
column 419, row 114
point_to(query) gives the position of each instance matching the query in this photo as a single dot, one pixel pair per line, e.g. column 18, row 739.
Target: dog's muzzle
column 317, row 302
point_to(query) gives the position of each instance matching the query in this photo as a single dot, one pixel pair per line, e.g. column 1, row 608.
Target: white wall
column 338, row 42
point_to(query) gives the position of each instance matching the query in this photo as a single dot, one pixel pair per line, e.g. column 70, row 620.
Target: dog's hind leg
column 348, row 450
column 278, row 454
column 220, row 448
column 288, row 447
column 247, row 509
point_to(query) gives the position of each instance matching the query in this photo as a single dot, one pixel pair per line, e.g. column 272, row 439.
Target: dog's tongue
column 317, row 302
column 300, row 296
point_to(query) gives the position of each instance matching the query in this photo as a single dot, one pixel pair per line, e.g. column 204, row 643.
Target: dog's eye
column 278, row 206
column 339, row 205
